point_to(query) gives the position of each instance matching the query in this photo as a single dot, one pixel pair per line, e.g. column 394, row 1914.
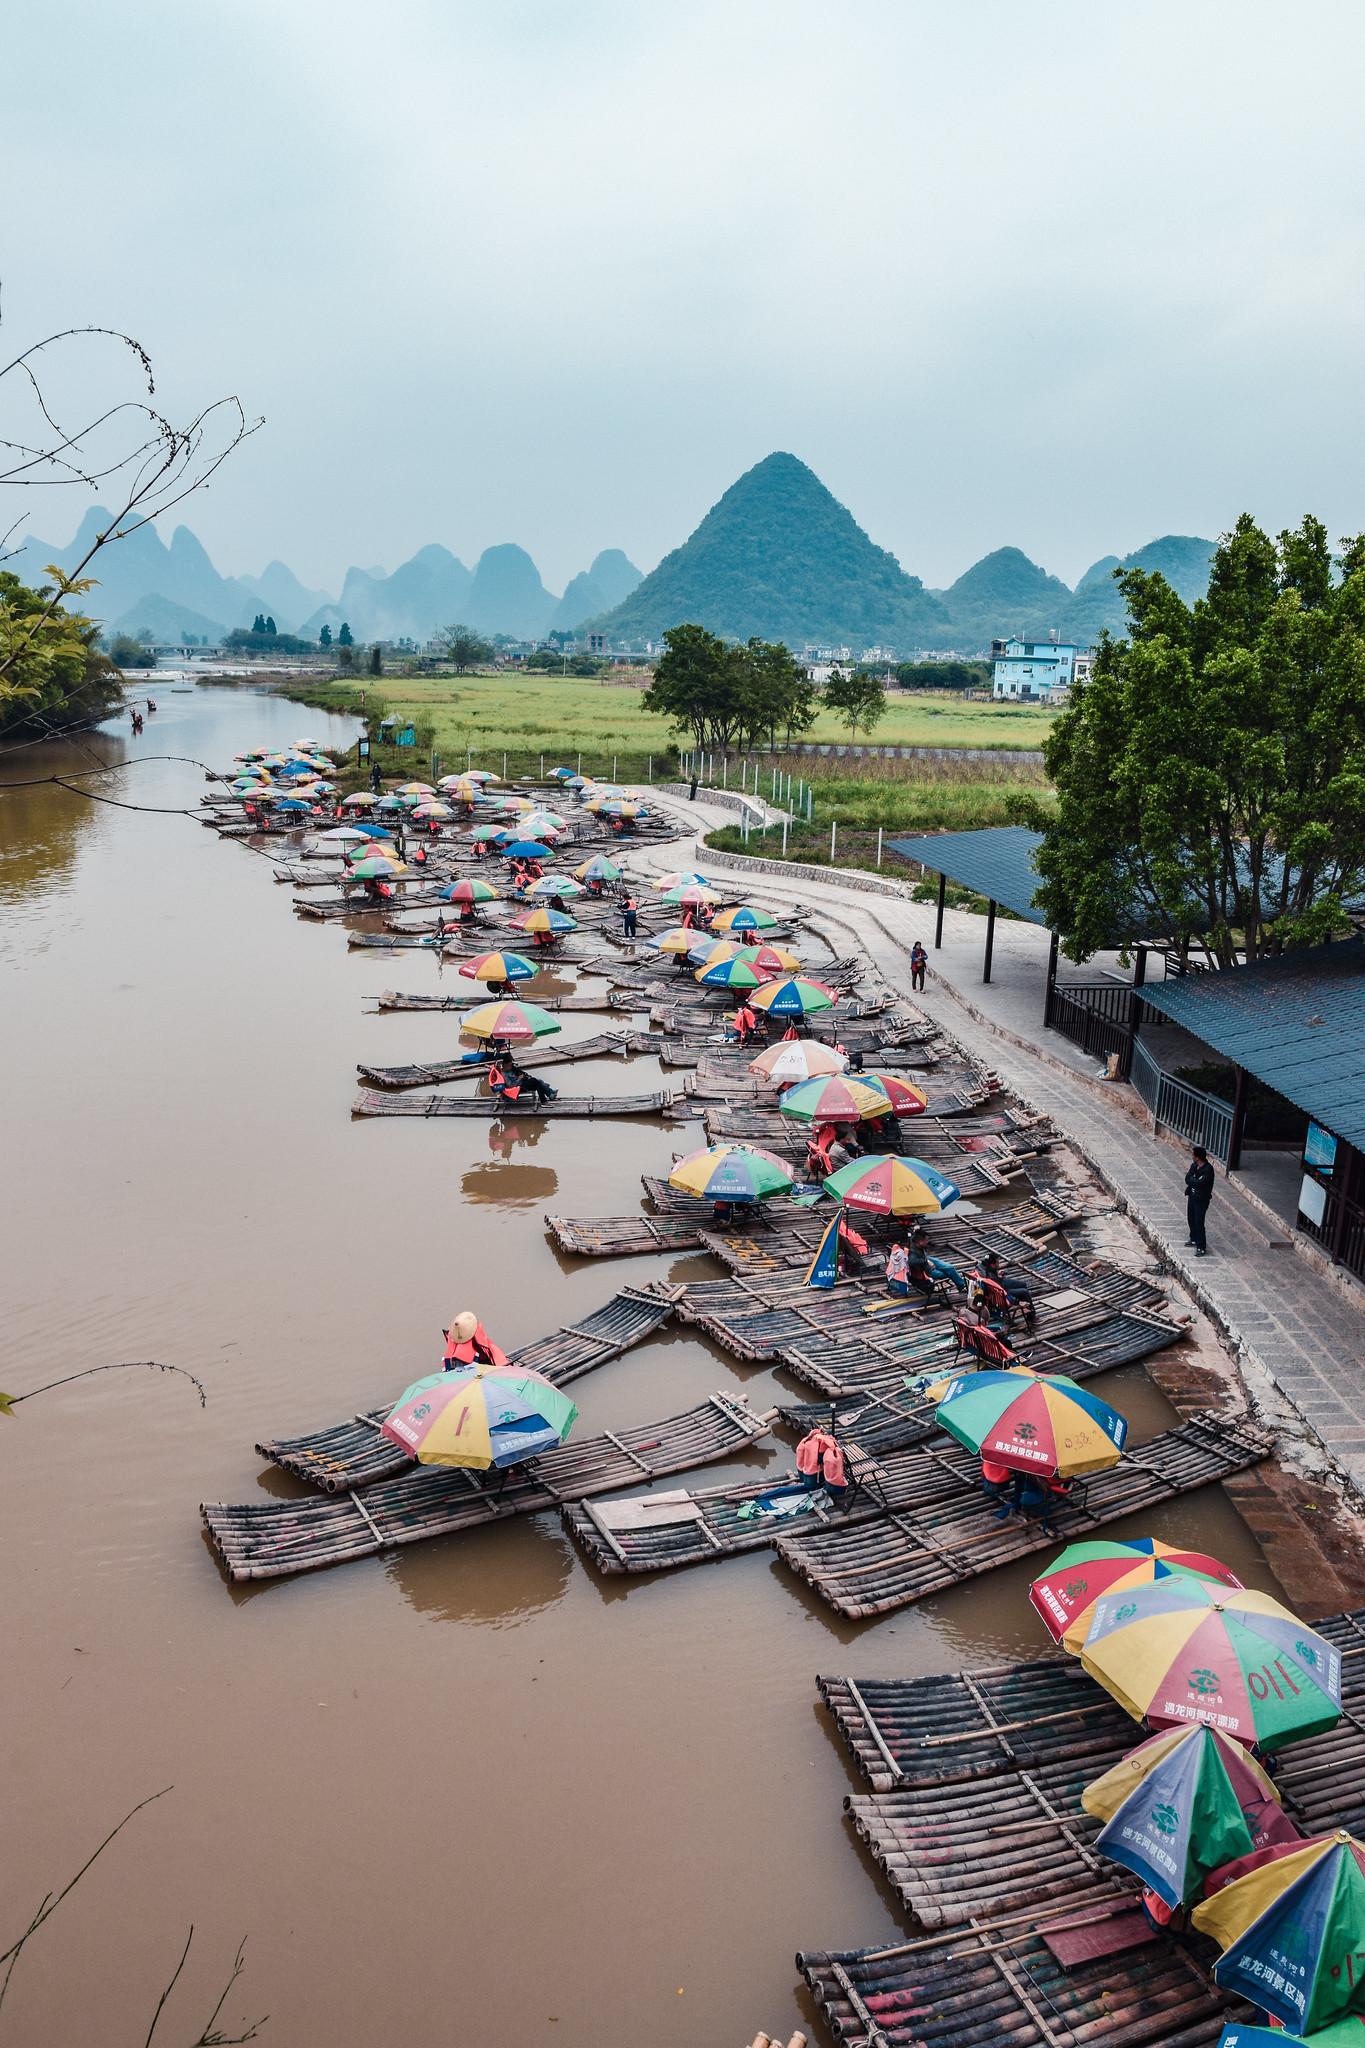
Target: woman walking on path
column 919, row 960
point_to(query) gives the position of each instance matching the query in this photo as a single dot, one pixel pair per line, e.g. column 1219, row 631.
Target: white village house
column 1037, row 671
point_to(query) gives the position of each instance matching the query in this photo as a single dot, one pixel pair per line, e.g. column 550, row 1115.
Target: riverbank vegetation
column 52, row 673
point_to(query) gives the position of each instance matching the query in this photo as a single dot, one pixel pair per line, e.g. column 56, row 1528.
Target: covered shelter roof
column 997, row 864
column 1295, row 1021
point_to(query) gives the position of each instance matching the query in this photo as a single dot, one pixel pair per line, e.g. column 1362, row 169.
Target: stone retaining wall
column 846, row 878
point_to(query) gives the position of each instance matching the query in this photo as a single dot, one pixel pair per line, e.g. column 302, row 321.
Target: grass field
column 525, row 715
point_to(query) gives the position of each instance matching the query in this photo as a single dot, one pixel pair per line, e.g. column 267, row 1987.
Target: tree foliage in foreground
column 730, row 696
column 1210, row 774
column 52, row 673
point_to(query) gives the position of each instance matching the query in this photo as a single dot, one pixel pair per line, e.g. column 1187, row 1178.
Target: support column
column 938, row 922
column 1135, row 1010
column 1239, row 1118
column 1343, row 1179
column 1052, row 946
column 990, row 938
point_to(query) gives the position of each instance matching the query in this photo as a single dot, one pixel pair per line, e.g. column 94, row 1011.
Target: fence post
column 725, row 771
column 542, row 767
column 613, row 767
column 651, row 767
column 879, row 846
column 784, row 837
column 833, row 833
column 504, row 764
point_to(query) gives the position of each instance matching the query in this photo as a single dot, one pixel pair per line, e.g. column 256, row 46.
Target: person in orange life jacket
column 688, row 921
column 793, row 1030
column 480, row 849
column 748, row 938
column 852, row 1250
column 820, row 1461
column 898, row 1271
column 468, row 1343
column 630, row 917
column 510, row 1082
column 419, row 855
column 818, row 1163
column 996, row 1481
column 746, row 1023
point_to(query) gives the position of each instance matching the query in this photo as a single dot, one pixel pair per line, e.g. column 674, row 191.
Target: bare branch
column 211, row 2039
column 53, row 1900
column 121, row 1365
column 175, row 1979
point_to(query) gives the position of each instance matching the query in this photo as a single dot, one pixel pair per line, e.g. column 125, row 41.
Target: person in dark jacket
column 1198, row 1194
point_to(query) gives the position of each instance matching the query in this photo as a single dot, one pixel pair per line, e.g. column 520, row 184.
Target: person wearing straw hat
column 468, row 1343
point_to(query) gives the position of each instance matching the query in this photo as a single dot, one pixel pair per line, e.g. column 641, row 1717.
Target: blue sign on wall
column 1319, row 1148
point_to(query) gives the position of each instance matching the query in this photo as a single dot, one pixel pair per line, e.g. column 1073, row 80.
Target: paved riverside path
column 1297, row 1327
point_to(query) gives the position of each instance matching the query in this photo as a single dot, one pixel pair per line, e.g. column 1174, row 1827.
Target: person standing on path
column 630, row 917
column 919, row 960
column 1199, row 1180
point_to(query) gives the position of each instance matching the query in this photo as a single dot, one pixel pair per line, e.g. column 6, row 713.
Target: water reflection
column 42, row 826
column 516, row 1187
column 506, row 1136
column 492, row 1578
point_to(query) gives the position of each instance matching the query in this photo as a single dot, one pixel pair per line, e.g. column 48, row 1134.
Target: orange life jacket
column 475, row 1350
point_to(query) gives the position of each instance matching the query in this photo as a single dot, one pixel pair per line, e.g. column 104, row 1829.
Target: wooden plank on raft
column 370, row 1102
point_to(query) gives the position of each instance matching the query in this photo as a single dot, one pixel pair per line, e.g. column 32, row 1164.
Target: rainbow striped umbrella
column 428, row 812
column 553, row 924
column 1190, row 1650
column 486, row 832
column 745, row 917
column 1033, row 1422
column 481, row 775
column 480, row 1416
column 887, row 1186
column 683, row 878
column 797, row 1059
column 499, row 967
column 373, row 867
column 414, row 789
column 834, row 1099
column 1065, row 1594
column 513, row 1023
column 732, row 1173
column 735, row 972
column 904, row 1097
column 543, row 821
column 359, row 800
column 598, row 869
column 556, row 885
column 693, row 893
column 469, row 889
column 1293, row 1933
column 679, row 938
column 793, row 996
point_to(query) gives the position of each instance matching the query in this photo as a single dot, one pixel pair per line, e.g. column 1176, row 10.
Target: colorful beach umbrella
column 556, row 885
column 797, row 1059
column 834, row 1099
column 344, row 835
column 415, row 789
column 514, row 1023
column 441, row 814
column 1190, row 1650
column 1065, row 1594
column 373, row 867
column 528, row 849
column 1180, row 1805
column 553, row 924
column 1348, row 2032
column 693, row 893
column 562, row 775
column 732, row 973
column 744, row 917
column 905, row 1098
column 1293, row 1933
column 538, row 821
column 359, row 800
column 793, row 996
column 682, row 878
column 481, row 1416
column 469, row 889
column 678, row 939
column 487, row 832
column 1032, row 1422
column 732, row 1173
column 499, row 967
column 376, row 832
column 482, row 775
column 887, row 1186
column 598, row 869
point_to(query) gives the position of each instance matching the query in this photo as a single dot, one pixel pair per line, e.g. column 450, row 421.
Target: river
column 465, row 1793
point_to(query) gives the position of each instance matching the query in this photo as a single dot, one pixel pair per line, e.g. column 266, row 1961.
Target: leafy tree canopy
column 127, row 651
column 463, row 647
column 325, row 636
column 1210, row 774
column 727, row 696
column 345, row 638
column 51, row 670
column 857, row 699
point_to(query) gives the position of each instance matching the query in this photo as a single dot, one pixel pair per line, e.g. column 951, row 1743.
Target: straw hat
column 464, row 1325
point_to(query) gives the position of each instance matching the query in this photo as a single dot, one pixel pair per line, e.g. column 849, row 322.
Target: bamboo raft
column 370, row 1102
column 904, row 1556
column 274, row 1539
column 927, row 1527
column 603, row 1045
column 1000, row 1985
column 393, row 1000
column 618, row 1237
column 353, row 1453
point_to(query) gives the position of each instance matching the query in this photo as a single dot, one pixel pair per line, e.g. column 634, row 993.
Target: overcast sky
column 557, row 271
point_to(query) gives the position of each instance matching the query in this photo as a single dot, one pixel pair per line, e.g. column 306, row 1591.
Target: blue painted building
column 1036, row 671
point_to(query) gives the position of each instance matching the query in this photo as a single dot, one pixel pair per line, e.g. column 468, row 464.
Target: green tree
column 325, row 637
column 698, row 685
column 258, row 623
column 127, row 651
column 269, row 626
column 943, row 675
column 345, row 656
column 857, row 699
column 1210, row 774
column 463, row 647
column 345, row 638
column 52, row 673
column 376, row 660
column 776, row 693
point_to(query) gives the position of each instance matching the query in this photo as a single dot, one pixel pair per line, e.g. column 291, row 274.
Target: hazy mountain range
column 777, row 556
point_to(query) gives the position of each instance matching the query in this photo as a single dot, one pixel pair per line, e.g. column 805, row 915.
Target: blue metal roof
column 997, row 863
column 1297, row 1022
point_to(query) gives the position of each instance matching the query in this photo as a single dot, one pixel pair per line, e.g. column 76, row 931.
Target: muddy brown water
column 469, row 1793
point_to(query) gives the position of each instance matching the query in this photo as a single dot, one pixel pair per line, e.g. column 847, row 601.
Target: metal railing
column 1095, row 1015
column 1204, row 1119
column 1350, row 1252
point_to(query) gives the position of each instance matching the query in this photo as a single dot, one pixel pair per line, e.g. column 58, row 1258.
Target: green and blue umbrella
column 1182, row 1804
column 528, row 849
column 1293, row 1933
column 732, row 1173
